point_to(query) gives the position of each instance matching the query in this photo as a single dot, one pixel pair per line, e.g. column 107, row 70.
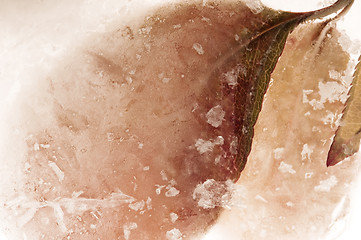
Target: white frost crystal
column 60, row 174
column 231, row 76
column 215, row 116
column 173, row 217
column 198, row 48
column 174, row 234
column 326, row 185
column 172, row 192
column 204, row 146
column 278, row 153
column 211, row 194
column 306, row 152
column 127, row 228
column 286, row 168
column 328, row 92
column 137, row 205
column 255, row 6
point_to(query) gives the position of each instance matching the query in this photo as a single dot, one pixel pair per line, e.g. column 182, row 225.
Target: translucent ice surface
column 113, row 126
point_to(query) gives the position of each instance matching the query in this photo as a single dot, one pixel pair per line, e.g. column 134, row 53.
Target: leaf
column 260, row 56
column 347, row 139
column 207, row 47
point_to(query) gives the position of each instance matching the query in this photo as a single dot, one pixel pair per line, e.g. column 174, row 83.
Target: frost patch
column 234, row 145
column 211, row 194
column 198, row 48
column 59, row 215
column 259, row 197
column 217, row 160
column 332, row 91
column 164, row 175
column 137, row 205
column 335, row 75
column 173, row 217
column 207, row 20
column 129, row 79
column 236, row 37
column 163, row 78
column 127, row 228
column 278, row 153
column 215, row 116
column 231, row 77
column 286, row 168
column 174, row 234
column 305, row 94
column 308, row 175
column 159, row 189
column 145, row 30
column 332, row 119
column 57, row 171
column 204, row 146
column 37, row 146
column 306, row 152
column 329, row 92
column 326, row 185
column 255, row 6
column 149, row 203
column 351, row 46
column 172, row 192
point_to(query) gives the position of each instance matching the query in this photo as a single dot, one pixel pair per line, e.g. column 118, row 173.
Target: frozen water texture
column 204, row 146
column 231, row 77
column 326, row 185
column 286, row 168
column 211, row 194
column 256, row 6
column 278, row 153
column 137, row 205
column 172, row 192
column 215, row 116
column 173, row 217
column 199, row 49
column 306, row 152
column 127, row 228
column 174, row 234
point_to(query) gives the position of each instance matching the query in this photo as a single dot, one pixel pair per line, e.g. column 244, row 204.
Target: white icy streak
column 286, row 168
column 27, row 208
column 56, row 169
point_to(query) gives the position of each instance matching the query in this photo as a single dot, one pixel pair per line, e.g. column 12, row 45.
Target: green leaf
column 347, row 139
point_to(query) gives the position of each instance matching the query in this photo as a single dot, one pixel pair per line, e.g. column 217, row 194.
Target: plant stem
column 340, row 4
